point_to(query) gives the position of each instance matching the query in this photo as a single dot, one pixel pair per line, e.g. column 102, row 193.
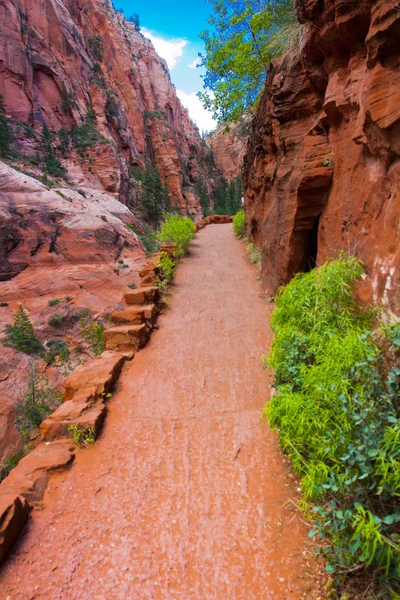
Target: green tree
column 220, row 204
column 154, row 197
column 50, row 162
column 135, row 19
column 243, row 38
column 203, row 196
column 21, row 335
column 6, row 137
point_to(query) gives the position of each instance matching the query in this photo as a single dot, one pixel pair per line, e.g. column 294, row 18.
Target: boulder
column 142, row 295
column 14, row 511
column 97, row 377
column 127, row 337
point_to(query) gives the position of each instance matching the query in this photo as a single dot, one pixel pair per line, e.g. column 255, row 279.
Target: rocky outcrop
column 228, row 147
column 322, row 169
column 74, row 249
column 62, row 61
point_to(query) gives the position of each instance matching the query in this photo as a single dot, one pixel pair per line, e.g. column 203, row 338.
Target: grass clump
column 239, row 224
column 21, row 335
column 337, row 410
column 254, row 253
column 178, row 231
column 82, row 437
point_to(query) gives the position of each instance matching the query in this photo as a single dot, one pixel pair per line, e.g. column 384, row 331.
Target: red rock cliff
column 57, row 58
column 228, row 148
column 322, row 169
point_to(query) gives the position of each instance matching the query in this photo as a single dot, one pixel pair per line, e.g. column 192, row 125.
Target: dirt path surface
column 185, row 495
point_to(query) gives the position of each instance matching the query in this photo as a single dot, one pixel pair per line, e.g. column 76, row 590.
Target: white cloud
column 198, row 114
column 195, row 63
column 170, row 50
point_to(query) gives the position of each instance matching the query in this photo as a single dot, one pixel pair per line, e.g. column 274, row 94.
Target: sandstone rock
column 95, row 378
column 127, row 337
column 228, row 150
column 322, row 167
column 136, row 314
column 83, row 415
column 30, row 477
column 143, row 295
column 14, row 511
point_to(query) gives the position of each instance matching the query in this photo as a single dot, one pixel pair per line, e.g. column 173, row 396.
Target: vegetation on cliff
column 243, row 38
column 337, row 410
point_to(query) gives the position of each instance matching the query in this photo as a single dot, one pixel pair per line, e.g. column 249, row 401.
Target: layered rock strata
column 322, row 168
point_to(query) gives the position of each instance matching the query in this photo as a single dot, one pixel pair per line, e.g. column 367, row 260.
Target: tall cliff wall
column 322, row 169
column 228, row 148
column 60, row 57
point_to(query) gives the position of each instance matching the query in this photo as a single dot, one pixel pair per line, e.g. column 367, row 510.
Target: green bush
column 254, row 253
column 92, row 332
column 166, row 267
column 239, row 224
column 337, row 410
column 178, row 231
column 6, row 136
column 21, row 335
column 38, row 402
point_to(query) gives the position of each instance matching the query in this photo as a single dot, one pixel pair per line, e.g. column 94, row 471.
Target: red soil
column 185, row 494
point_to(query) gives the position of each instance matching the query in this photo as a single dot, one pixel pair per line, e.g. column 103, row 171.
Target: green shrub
column 178, row 231
column 38, row 402
column 12, row 461
column 21, row 335
column 6, row 136
column 166, row 266
column 254, row 253
column 56, row 348
column 54, row 302
column 82, row 437
column 56, row 320
column 3, row 304
column 239, row 224
column 337, row 410
column 92, row 332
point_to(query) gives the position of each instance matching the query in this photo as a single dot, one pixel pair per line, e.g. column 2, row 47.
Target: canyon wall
column 322, row 168
column 228, row 146
column 91, row 106
column 59, row 59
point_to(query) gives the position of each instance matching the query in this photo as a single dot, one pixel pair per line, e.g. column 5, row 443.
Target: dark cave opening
column 312, row 248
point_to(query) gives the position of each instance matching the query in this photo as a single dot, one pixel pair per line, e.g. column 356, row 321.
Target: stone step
column 142, row 295
column 83, row 415
column 95, row 378
column 136, row 314
column 127, row 337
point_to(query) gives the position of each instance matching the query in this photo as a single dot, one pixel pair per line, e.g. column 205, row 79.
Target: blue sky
column 174, row 29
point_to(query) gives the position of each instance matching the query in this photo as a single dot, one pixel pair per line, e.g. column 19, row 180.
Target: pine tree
column 21, row 335
column 203, row 196
column 6, row 137
column 154, row 200
column 51, row 164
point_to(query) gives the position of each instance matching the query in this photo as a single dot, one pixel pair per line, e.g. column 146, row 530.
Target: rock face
column 60, row 58
column 322, row 169
column 228, row 149
column 58, row 245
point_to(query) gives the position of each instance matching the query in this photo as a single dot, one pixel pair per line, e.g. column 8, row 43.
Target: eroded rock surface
column 322, row 169
column 59, row 58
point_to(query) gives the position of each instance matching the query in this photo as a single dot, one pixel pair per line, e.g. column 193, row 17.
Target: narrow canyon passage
column 185, row 494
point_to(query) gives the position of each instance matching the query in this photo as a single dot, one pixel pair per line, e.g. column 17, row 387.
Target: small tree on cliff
column 135, row 19
column 6, row 137
column 154, row 198
column 21, row 335
column 244, row 36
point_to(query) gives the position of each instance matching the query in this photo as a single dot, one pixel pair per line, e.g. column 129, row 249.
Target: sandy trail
column 185, row 495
